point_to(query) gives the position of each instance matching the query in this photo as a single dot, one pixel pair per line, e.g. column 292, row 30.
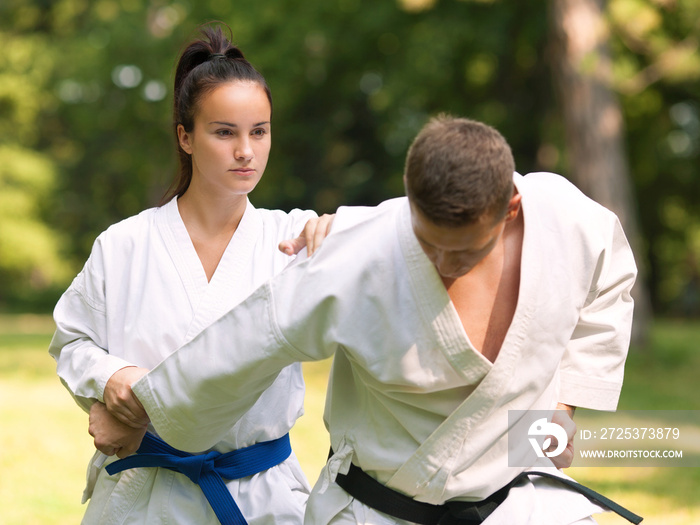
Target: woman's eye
column 259, row 132
column 224, row 132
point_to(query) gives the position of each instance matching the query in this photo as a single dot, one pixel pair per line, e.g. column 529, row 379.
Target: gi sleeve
column 193, row 395
column 592, row 368
column 79, row 345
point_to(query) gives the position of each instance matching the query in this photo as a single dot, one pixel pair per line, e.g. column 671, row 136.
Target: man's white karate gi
column 410, row 401
column 142, row 294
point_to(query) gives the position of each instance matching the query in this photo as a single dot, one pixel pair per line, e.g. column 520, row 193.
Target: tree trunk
column 594, row 126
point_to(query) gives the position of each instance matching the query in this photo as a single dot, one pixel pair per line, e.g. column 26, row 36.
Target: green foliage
column 25, row 67
column 30, row 262
column 29, row 249
column 87, row 85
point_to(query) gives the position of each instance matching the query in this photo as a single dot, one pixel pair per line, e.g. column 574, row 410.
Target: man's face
column 455, row 251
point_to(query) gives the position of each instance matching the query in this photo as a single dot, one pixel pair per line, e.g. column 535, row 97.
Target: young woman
column 155, row 280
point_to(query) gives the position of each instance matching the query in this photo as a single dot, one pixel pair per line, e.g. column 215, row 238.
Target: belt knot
column 194, row 467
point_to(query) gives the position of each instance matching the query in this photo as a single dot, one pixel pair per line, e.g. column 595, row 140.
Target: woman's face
column 230, row 140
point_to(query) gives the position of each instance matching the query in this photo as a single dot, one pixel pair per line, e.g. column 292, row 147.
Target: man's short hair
column 459, row 170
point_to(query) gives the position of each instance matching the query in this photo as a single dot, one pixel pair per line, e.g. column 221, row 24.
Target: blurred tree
column 111, row 131
column 593, row 122
column 656, row 71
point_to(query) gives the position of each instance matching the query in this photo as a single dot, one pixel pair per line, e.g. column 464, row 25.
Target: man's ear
column 514, row 206
column 184, row 138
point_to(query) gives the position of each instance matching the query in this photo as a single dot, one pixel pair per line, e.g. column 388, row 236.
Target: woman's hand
column 121, row 401
column 312, row 237
column 111, row 435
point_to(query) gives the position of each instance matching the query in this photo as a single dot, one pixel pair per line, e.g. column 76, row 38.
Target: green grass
column 44, row 445
column 663, row 375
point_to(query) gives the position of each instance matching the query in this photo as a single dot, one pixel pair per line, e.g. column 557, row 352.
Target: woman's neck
column 211, row 224
column 209, row 217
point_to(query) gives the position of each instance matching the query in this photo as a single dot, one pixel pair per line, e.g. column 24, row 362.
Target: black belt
column 369, row 491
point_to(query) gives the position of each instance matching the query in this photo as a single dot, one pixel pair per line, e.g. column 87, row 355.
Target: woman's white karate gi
column 141, row 295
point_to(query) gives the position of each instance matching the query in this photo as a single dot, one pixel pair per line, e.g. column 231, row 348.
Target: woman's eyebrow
column 232, row 125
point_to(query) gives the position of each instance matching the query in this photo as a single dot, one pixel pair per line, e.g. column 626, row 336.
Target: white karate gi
column 141, row 295
column 410, row 401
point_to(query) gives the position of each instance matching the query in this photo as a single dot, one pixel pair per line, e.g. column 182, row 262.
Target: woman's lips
column 244, row 172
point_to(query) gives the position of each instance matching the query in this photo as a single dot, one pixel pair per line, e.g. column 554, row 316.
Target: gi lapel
column 181, row 251
column 229, row 285
column 427, row 471
column 231, row 282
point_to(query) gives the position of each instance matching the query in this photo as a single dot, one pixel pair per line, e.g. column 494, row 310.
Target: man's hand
column 563, row 416
column 111, row 435
column 312, row 237
column 121, row 401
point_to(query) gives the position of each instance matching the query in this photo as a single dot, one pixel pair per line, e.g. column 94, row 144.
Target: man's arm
column 593, row 364
column 118, row 396
column 592, row 367
column 193, row 396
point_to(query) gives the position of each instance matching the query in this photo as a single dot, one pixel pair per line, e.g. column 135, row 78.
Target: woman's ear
column 184, row 138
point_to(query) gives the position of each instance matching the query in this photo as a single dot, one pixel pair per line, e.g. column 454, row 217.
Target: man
column 481, row 292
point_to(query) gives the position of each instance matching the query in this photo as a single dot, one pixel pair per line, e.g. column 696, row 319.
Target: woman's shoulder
column 127, row 231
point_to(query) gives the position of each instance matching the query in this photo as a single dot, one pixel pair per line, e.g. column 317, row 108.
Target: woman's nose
column 243, row 150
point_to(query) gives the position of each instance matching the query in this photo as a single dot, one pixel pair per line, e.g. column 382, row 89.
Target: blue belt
column 209, row 470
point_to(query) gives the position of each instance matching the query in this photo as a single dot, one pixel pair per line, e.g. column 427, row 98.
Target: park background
column 605, row 93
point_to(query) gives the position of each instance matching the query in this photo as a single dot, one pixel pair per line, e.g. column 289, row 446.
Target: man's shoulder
column 366, row 233
column 558, row 195
column 347, row 216
column 548, row 183
column 360, row 217
column 280, row 217
column 558, row 207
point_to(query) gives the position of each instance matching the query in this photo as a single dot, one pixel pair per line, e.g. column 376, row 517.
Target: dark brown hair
column 459, row 170
column 205, row 64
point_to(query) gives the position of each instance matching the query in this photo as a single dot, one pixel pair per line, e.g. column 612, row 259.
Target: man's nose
column 444, row 263
column 449, row 265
